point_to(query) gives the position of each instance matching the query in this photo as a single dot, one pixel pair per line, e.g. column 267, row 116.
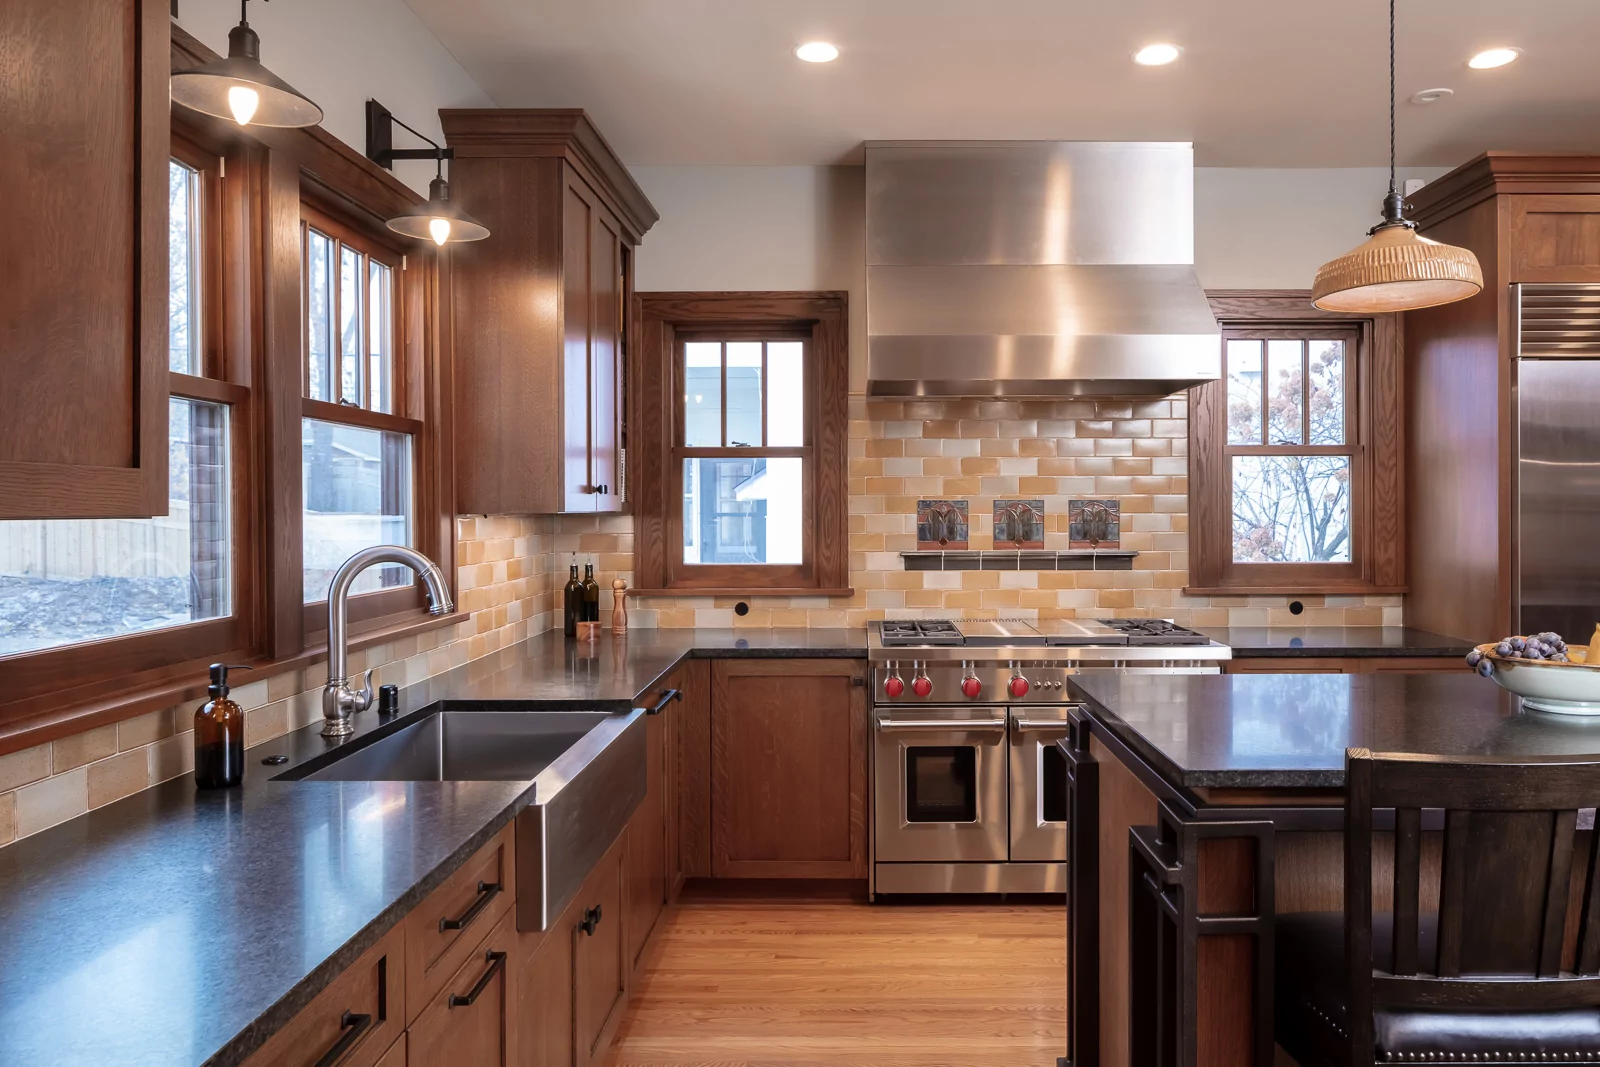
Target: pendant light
column 439, row 220
column 241, row 89
column 1397, row 269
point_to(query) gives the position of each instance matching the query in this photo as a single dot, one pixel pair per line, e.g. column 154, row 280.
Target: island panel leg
column 1124, row 803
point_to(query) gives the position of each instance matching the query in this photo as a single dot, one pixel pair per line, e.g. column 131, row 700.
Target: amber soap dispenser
column 219, row 735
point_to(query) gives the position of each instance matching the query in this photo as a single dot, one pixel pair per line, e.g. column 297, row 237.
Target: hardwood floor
column 836, row 984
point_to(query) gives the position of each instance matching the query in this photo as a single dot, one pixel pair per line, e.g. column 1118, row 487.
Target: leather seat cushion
column 1311, row 1004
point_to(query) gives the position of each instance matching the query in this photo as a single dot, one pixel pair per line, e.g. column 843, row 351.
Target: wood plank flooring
column 837, row 984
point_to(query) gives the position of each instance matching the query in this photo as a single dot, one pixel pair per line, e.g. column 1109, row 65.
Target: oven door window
column 942, row 784
column 1052, row 784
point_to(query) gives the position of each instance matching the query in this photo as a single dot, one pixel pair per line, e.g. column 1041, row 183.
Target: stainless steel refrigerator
column 1556, row 491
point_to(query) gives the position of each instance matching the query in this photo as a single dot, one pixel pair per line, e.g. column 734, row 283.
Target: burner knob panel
column 1019, row 686
column 921, row 685
column 971, row 686
column 893, row 687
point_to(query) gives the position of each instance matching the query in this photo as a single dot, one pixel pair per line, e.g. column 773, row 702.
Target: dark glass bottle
column 572, row 603
column 219, row 735
column 591, row 595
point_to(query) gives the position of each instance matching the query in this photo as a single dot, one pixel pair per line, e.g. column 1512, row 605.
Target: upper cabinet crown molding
column 567, row 133
column 1497, row 173
column 83, row 325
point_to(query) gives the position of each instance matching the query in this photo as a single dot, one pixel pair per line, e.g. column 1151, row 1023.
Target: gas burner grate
column 1156, row 632
column 905, row 633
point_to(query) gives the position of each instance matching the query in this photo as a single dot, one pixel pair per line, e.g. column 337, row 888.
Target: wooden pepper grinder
column 619, row 607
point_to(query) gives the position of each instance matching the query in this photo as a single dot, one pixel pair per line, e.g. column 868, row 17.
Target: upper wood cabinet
column 1530, row 220
column 540, row 311
column 83, row 309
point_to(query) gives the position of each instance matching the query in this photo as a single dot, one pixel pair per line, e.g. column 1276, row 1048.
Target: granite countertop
column 1289, row 731
column 181, row 928
column 1253, row 642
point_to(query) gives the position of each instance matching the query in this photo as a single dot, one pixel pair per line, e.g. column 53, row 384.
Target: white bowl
column 1558, row 688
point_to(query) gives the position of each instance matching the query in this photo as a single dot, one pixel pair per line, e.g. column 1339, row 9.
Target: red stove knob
column 1019, row 687
column 894, row 686
column 921, row 685
column 971, row 686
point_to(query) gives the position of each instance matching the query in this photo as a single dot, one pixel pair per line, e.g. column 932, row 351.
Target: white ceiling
column 1262, row 83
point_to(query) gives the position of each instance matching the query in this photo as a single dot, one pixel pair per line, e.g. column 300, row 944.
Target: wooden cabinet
column 539, row 311
column 83, row 313
column 1342, row 665
column 788, row 768
column 692, row 765
column 352, row 1022
column 444, row 931
column 472, row 1019
column 600, row 963
column 646, row 865
column 544, row 994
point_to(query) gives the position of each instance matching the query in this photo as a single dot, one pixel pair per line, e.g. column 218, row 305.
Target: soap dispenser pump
column 219, row 734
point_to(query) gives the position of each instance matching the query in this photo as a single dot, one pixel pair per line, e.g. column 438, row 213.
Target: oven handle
column 998, row 725
column 1059, row 725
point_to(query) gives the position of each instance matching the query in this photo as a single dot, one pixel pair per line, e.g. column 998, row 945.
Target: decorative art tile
column 942, row 524
column 1018, row 524
column 1094, row 524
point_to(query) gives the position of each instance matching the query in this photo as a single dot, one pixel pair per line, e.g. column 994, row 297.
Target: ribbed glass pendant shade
column 1397, row 269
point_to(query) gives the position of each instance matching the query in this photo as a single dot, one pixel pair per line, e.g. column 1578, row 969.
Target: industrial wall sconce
column 439, row 220
column 240, row 88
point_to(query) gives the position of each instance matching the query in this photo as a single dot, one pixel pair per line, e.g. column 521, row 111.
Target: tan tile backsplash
column 504, row 581
column 1134, row 450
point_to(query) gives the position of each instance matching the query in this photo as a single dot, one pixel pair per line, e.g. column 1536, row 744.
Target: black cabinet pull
column 603, row 490
column 354, row 1026
column 667, row 697
column 487, row 891
column 497, row 963
column 590, row 921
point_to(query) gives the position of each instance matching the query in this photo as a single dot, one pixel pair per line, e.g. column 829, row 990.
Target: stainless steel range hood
column 1035, row 268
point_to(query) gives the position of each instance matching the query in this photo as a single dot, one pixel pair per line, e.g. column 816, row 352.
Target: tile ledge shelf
column 1034, row 559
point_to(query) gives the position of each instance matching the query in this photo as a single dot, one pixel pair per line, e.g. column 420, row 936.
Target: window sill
column 69, row 714
column 785, row 591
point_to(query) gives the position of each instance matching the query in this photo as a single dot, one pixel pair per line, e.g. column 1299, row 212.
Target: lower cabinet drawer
column 443, row 931
column 470, row 1020
column 354, row 1021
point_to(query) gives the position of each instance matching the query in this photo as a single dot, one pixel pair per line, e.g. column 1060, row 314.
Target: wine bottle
column 572, row 601
column 591, row 595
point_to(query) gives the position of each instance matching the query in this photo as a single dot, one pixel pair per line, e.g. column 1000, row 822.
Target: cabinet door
column 599, row 960
column 544, row 995
column 83, row 311
column 788, row 769
column 605, row 356
column 647, row 839
column 577, row 328
column 693, row 768
column 471, row 1018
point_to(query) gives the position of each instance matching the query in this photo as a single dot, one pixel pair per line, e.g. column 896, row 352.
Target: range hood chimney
column 1034, row 269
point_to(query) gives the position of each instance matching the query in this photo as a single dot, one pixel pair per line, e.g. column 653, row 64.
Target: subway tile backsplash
column 906, row 452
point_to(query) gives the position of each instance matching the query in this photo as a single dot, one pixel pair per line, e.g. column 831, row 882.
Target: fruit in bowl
column 1544, row 672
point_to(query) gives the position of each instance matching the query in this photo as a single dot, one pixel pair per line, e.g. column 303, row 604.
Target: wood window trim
column 1377, row 504
column 270, row 173
column 655, row 438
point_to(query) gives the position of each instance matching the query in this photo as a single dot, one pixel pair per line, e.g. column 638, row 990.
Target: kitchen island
column 1204, row 806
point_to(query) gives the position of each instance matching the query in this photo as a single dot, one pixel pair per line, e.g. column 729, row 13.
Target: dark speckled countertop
column 1255, row 642
column 1289, row 731
column 177, row 928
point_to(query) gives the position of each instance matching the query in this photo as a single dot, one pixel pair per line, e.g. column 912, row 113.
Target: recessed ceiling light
column 817, row 52
column 1493, row 57
column 1157, row 55
column 1432, row 96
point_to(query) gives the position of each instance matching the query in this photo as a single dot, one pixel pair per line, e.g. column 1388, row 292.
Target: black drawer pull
column 487, row 891
column 497, row 962
column 354, row 1026
column 667, row 697
column 590, row 921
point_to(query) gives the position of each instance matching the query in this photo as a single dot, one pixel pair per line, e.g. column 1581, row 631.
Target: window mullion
column 723, row 390
column 761, row 393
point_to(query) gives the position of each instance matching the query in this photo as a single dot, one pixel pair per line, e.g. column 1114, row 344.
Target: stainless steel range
column 969, row 788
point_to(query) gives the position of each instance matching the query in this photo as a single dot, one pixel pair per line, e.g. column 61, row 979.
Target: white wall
column 1272, row 229
column 804, row 228
column 340, row 53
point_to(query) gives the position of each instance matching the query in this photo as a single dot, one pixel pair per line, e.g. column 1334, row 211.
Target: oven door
column 1038, row 785
column 940, row 785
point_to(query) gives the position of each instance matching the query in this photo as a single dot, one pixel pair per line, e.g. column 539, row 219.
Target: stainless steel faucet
column 339, row 701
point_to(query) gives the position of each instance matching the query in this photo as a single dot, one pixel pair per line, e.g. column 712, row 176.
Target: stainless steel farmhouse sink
column 588, row 770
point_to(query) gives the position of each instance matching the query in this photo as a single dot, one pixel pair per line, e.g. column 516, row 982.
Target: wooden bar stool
column 1506, row 968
